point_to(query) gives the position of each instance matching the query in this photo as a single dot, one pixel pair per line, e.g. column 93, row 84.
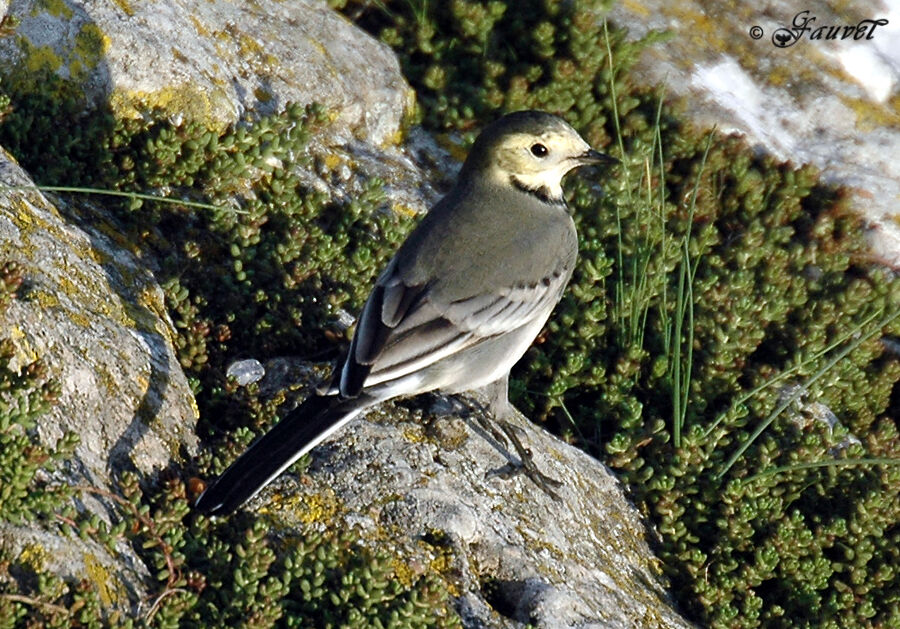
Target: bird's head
column 531, row 150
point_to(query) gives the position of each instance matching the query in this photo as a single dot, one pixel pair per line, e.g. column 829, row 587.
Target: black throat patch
column 541, row 192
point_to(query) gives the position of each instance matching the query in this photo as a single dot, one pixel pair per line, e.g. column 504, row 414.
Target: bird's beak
column 595, row 157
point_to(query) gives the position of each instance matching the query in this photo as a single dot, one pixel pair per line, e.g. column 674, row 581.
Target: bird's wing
column 404, row 328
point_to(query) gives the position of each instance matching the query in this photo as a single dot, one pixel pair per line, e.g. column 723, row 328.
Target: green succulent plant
column 724, row 304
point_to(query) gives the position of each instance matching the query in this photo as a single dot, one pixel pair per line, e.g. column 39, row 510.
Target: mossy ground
column 780, row 287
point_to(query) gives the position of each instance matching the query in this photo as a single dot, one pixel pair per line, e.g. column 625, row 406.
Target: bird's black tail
column 295, row 435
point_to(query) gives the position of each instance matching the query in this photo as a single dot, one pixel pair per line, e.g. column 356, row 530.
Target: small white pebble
column 246, row 371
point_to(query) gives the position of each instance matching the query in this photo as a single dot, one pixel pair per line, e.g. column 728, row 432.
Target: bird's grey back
column 467, row 257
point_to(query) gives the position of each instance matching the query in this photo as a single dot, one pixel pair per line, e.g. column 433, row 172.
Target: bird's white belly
column 490, row 365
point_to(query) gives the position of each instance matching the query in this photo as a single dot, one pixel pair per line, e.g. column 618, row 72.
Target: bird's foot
column 527, row 466
column 483, row 419
column 491, row 418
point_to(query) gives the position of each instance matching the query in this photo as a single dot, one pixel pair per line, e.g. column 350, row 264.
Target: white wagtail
column 457, row 306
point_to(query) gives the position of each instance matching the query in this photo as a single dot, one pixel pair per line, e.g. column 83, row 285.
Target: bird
column 456, row 307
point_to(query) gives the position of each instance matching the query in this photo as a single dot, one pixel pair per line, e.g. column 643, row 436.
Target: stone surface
column 94, row 313
column 427, row 469
column 212, row 61
column 120, row 579
column 833, row 103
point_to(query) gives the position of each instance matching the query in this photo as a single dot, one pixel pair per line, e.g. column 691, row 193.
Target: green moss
column 58, row 8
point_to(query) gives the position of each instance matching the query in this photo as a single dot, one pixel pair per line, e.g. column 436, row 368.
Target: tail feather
column 299, row 432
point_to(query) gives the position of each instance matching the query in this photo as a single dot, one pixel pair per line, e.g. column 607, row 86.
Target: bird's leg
column 497, row 394
column 485, row 414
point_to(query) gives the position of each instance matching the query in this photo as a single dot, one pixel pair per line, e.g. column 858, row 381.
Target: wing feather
column 403, row 328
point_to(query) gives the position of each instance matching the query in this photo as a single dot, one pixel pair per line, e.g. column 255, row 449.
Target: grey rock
column 245, row 371
column 427, row 483
column 402, row 475
column 213, row 61
column 831, row 103
column 119, row 578
column 94, row 313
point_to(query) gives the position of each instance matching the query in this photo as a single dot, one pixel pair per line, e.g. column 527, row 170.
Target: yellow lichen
column 318, row 507
column 779, row 76
column 142, row 381
column 414, row 434
column 332, row 161
column 193, row 101
column 44, row 299
column 56, row 8
column 247, row 44
column 194, row 408
column 99, row 575
column 636, row 8
column 68, row 286
column 442, row 564
column 39, row 59
column 405, row 575
column 871, row 115
column 25, row 353
column 91, row 45
column 88, row 49
column 79, row 319
column 125, row 6
column 35, row 556
column 308, row 509
column 199, row 26
column 150, row 299
column 24, row 218
column 394, row 139
column 404, row 209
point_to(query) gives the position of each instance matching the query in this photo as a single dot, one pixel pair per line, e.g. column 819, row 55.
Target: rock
column 211, row 61
column 415, row 176
column 403, row 474
column 829, row 102
column 119, row 578
column 94, row 314
column 427, row 481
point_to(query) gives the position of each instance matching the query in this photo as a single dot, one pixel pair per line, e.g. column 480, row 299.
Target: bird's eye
column 539, row 150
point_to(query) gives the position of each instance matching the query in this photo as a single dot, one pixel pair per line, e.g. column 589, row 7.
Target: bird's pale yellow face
column 531, row 151
column 539, row 162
